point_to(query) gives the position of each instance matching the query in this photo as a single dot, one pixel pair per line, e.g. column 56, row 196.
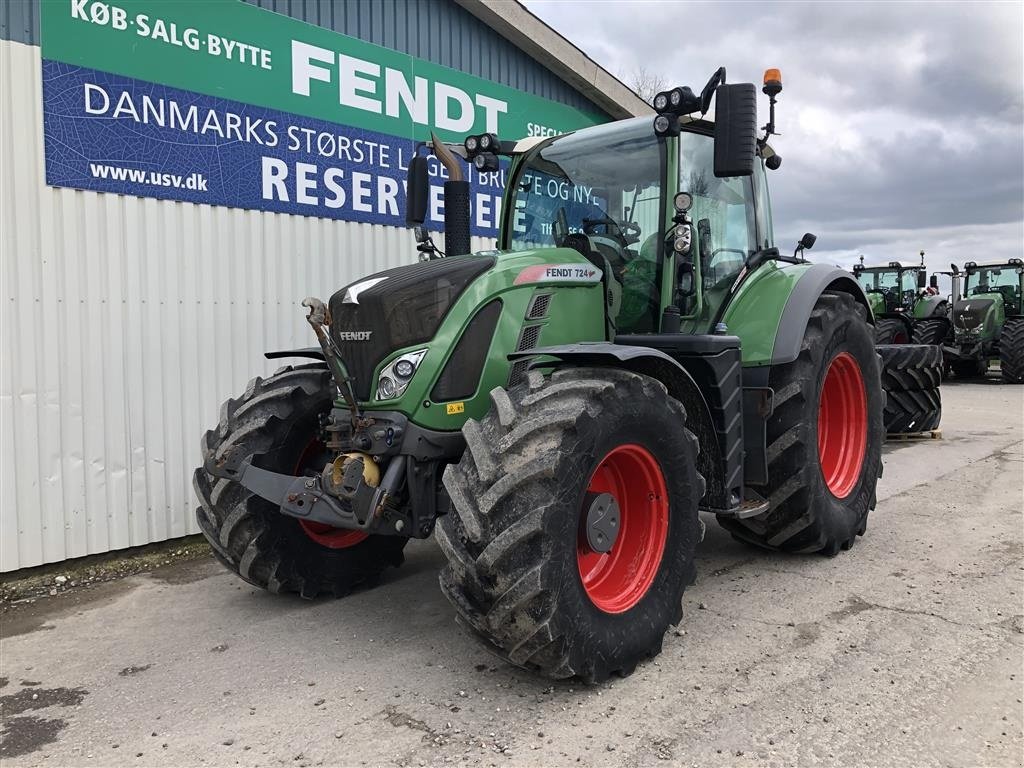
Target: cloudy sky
column 902, row 123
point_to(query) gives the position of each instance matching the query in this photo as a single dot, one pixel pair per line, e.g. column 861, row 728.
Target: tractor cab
column 906, row 305
column 898, row 287
column 991, row 293
column 1005, row 279
column 613, row 194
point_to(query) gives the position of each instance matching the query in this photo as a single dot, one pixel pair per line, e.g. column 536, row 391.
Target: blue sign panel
column 112, row 133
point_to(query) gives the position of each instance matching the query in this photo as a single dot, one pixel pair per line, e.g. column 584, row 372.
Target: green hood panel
column 575, row 312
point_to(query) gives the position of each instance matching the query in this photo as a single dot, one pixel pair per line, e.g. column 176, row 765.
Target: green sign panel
column 232, row 50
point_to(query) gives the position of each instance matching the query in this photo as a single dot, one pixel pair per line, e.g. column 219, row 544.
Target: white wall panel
column 126, row 322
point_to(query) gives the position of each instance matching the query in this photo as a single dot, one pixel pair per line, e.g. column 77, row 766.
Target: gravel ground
column 906, row 650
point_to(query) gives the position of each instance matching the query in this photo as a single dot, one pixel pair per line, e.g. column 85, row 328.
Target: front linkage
column 351, row 492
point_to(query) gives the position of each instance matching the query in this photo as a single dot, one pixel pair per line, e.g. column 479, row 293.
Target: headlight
column 397, row 374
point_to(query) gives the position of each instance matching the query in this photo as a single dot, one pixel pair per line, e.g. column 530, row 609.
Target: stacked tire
column 1011, row 351
column 911, row 375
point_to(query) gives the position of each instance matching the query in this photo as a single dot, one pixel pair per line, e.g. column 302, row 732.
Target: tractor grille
column 970, row 315
column 539, row 307
column 391, row 310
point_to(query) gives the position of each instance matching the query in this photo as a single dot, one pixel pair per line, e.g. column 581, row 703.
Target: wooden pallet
column 931, row 434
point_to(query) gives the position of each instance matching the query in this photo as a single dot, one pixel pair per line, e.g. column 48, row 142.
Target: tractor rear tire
column 824, row 437
column 1011, row 351
column 911, row 376
column 277, row 422
column 891, row 330
column 522, row 572
column 930, row 330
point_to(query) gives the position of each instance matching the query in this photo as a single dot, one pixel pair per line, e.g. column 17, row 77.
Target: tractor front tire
column 524, row 572
column 277, row 422
column 824, row 438
column 891, row 330
column 1011, row 351
column 911, row 378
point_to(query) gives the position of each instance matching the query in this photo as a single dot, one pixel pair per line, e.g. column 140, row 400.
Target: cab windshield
column 887, row 280
column 598, row 191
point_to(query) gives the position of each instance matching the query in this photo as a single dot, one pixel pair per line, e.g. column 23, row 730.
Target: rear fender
column 814, row 282
column 771, row 307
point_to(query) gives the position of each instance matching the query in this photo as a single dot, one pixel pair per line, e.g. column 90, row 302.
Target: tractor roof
column 602, row 131
column 890, row 265
column 983, row 265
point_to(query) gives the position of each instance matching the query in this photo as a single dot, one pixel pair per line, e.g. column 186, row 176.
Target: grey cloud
column 928, row 94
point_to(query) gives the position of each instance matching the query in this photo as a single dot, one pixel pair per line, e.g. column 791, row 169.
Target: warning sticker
column 454, row 408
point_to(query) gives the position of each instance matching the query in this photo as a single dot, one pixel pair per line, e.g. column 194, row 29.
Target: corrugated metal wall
column 125, row 323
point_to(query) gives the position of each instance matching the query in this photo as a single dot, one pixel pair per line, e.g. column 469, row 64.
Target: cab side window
column 723, row 212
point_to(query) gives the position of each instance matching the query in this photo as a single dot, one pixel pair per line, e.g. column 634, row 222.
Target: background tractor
column 988, row 321
column 907, row 305
column 559, row 410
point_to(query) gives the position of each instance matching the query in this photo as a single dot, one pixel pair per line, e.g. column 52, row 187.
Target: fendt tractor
column 559, row 410
column 988, row 320
column 907, row 306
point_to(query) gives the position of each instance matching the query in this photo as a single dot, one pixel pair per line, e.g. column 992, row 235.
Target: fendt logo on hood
column 352, row 293
column 354, row 335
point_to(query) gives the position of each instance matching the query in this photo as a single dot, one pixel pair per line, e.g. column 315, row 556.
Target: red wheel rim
column 323, row 534
column 842, row 425
column 617, row 580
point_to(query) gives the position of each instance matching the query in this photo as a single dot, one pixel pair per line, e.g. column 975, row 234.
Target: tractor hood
column 457, row 319
column 397, row 308
column 978, row 313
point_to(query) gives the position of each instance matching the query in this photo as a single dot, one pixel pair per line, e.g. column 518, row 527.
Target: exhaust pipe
column 456, row 201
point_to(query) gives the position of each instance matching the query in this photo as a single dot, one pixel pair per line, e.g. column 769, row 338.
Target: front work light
column 486, row 161
column 661, row 102
column 666, row 125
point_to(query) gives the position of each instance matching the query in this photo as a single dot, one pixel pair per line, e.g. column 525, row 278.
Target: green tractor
column 906, row 304
column 988, row 321
column 558, row 411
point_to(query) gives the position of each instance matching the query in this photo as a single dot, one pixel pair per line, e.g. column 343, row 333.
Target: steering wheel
column 711, row 263
column 627, row 231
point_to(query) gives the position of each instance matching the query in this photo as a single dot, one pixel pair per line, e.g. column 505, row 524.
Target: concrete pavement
column 907, row 650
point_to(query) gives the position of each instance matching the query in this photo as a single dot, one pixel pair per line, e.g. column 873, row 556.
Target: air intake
column 461, row 375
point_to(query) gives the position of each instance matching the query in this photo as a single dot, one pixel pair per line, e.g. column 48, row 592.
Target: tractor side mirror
column 417, row 191
column 808, row 240
column 922, row 279
column 933, row 281
column 735, row 130
column 704, row 239
column 685, row 286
